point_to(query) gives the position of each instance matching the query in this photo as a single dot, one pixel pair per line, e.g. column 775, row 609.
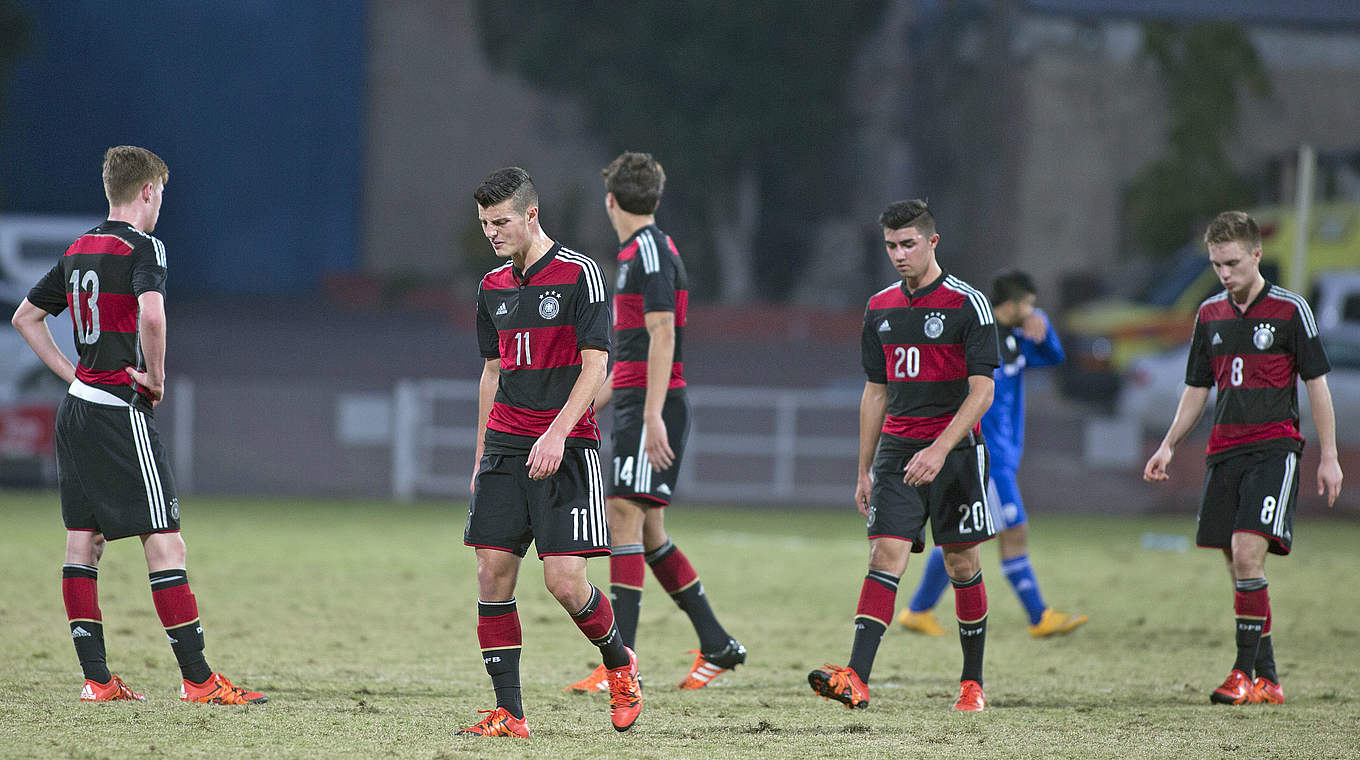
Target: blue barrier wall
column 255, row 105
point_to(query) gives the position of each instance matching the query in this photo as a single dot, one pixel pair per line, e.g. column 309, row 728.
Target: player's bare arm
column 1324, row 419
column 486, row 395
column 151, row 334
column 926, row 464
column 660, row 356
column 1035, row 327
column 1188, row 410
column 31, row 322
column 546, row 455
column 873, row 407
column 606, row 392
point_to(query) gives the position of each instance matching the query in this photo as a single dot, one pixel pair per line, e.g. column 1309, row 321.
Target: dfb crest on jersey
column 548, row 305
column 1263, row 337
column 623, row 276
column 934, row 324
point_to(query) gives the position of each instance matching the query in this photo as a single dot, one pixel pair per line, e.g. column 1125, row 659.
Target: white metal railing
column 712, row 469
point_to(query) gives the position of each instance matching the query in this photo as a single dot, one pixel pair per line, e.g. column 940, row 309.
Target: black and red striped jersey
column 99, row 278
column 924, row 346
column 651, row 278
column 537, row 322
column 1255, row 358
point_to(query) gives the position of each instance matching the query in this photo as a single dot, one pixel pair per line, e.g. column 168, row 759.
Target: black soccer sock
column 178, row 610
column 1265, row 659
column 596, row 621
column 80, row 592
column 672, row 568
column 626, row 573
column 970, row 606
column 877, row 595
column 1251, row 604
column 498, row 633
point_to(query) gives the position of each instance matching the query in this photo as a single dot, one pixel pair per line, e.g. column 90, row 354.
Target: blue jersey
column 1003, row 426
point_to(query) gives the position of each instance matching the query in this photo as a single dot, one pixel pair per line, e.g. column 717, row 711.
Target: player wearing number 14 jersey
column 112, row 470
column 1254, row 341
column 929, row 347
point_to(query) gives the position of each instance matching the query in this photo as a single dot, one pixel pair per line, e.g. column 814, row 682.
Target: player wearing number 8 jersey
column 929, row 347
column 1254, row 341
column 543, row 329
column 112, row 470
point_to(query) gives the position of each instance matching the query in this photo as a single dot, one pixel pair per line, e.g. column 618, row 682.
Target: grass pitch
column 358, row 620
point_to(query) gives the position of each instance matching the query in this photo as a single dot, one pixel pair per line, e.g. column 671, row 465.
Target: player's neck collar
column 537, row 266
column 926, row 288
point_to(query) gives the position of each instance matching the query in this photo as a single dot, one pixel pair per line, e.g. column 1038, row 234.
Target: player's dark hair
column 127, row 169
column 913, row 213
column 1233, row 227
column 636, row 181
column 1012, row 286
column 502, row 184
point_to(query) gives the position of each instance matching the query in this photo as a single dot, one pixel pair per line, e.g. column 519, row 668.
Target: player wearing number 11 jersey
column 929, row 347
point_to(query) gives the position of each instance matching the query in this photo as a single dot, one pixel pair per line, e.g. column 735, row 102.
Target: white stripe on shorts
column 1290, row 466
column 642, row 469
column 986, row 488
column 595, row 486
column 151, row 478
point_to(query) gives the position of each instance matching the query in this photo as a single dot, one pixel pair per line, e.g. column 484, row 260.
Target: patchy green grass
column 358, row 621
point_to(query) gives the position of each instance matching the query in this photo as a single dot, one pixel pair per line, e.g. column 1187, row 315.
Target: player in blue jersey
column 1027, row 340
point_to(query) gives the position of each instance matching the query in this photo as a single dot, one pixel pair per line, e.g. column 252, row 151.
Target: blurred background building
column 324, row 244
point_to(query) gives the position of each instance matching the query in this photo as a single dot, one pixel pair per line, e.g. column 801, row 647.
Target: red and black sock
column 626, row 573
column 1265, row 654
column 1251, row 603
column 677, row 576
column 970, row 606
column 596, row 621
column 80, row 592
column 178, row 610
column 877, row 595
column 499, row 636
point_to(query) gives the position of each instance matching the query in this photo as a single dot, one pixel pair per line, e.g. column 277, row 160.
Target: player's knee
column 570, row 591
column 889, row 556
column 962, row 565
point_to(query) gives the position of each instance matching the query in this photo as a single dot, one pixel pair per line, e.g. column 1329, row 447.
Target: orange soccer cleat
column 1267, row 692
column 1236, row 690
column 625, row 694
column 708, row 666
column 840, row 684
column 498, row 722
column 217, row 690
column 971, row 698
column 114, row 690
column 598, row 680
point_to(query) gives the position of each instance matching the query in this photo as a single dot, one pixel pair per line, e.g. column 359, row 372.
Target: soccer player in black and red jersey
column 651, row 421
column 543, row 328
column 112, row 470
column 1254, row 341
column 928, row 347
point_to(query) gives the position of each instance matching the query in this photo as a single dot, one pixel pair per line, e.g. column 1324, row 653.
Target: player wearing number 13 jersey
column 1253, row 341
column 112, row 470
column 929, row 347
column 543, row 329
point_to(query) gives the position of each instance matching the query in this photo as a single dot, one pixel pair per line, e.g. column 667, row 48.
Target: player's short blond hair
column 127, row 169
column 1233, row 227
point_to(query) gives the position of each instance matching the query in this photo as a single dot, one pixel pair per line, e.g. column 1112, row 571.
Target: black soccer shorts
column 955, row 502
column 561, row 514
column 633, row 475
column 112, row 471
column 1253, row 492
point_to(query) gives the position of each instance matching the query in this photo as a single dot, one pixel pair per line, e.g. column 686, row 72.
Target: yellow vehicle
column 1104, row 337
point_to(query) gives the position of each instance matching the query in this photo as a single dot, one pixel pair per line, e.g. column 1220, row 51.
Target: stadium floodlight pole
column 1303, row 199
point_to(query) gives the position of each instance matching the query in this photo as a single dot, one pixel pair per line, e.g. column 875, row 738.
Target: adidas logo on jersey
column 502, row 310
column 1216, row 341
column 884, row 326
column 664, row 489
column 79, row 632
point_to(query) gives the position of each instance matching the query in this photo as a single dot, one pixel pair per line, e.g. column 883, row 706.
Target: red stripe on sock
column 176, row 605
column 598, row 623
column 970, row 603
column 1255, row 604
column 627, row 570
column 81, row 596
column 499, row 632
column 674, row 572
column 876, row 601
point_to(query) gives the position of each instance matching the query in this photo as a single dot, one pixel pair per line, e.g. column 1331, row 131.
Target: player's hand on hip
column 144, row 379
column 546, row 455
column 1329, row 480
column 863, row 489
column 658, row 446
column 1155, row 469
column 924, row 466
